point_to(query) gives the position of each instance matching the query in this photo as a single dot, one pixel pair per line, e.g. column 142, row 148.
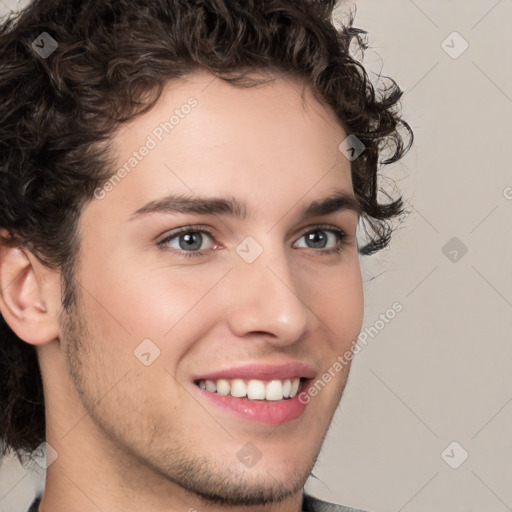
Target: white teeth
column 256, row 390
column 223, row 387
column 238, row 388
column 273, row 390
column 287, row 386
column 211, row 386
column 295, row 387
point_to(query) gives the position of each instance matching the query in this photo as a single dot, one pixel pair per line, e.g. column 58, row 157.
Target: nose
column 266, row 300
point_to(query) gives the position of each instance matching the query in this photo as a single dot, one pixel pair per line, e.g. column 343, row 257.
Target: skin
column 135, row 437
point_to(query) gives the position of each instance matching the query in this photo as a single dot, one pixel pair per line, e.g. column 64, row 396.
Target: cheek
column 336, row 297
column 131, row 302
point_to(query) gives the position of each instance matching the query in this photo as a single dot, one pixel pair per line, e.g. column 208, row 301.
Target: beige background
column 440, row 371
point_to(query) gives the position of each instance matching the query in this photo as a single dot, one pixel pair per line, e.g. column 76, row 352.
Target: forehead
column 207, row 137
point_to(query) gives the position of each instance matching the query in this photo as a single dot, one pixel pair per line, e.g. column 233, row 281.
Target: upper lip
column 262, row 372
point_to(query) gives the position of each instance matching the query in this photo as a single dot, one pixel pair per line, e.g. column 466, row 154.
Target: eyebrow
column 339, row 201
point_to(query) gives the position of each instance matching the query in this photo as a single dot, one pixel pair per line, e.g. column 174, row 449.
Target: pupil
column 316, row 239
column 191, row 241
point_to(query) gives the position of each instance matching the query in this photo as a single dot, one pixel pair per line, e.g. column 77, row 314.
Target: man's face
column 174, row 297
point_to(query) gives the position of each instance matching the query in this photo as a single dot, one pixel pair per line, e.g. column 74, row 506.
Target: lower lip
column 259, row 411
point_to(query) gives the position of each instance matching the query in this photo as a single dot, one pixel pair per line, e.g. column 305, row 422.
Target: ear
column 29, row 295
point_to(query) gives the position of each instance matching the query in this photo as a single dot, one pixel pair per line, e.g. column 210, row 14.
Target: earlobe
column 29, row 295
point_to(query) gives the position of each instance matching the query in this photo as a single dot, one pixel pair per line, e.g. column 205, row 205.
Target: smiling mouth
column 253, row 389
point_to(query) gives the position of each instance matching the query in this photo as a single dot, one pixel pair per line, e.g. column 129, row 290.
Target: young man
column 181, row 184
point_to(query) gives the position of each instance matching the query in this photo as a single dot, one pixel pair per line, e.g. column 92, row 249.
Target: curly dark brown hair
column 113, row 59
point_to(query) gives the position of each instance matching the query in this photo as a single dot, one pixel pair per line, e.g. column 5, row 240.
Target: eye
column 189, row 241
column 322, row 238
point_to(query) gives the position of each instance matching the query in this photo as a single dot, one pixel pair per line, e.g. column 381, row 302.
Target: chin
column 259, row 488
column 215, row 479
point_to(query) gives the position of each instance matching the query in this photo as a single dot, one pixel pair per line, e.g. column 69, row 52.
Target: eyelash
column 340, row 235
